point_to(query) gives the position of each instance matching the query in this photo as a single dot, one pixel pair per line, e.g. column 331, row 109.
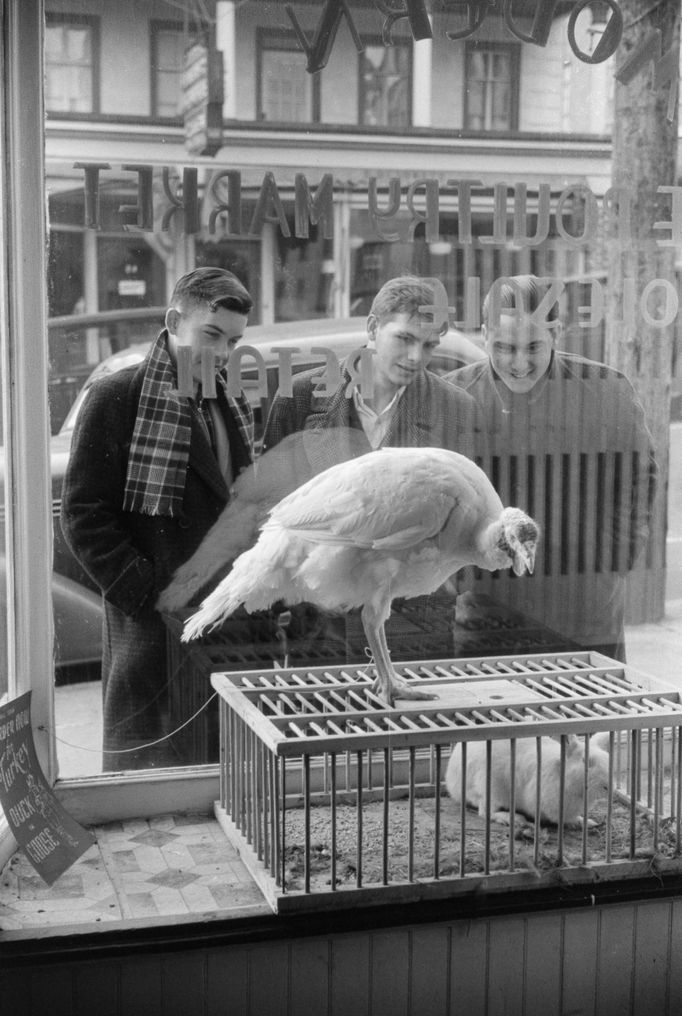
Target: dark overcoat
column 131, row 557
column 575, row 453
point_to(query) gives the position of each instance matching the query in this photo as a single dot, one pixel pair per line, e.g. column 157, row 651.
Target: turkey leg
column 389, row 685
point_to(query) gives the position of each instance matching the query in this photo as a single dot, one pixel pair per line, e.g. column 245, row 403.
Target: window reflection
column 110, row 283
column 168, row 46
column 287, row 93
column 385, row 91
column 5, row 690
column 70, row 70
column 492, row 86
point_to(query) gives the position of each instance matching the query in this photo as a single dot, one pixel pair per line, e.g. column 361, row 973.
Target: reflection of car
column 342, row 336
column 76, row 601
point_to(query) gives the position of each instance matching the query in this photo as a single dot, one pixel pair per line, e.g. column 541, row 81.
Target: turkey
column 392, row 523
column 253, row 495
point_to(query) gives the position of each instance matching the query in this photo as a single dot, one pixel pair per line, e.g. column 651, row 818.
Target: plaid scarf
column 159, row 449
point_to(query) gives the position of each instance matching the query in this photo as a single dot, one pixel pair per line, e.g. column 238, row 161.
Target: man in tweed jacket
column 408, row 407
column 149, row 474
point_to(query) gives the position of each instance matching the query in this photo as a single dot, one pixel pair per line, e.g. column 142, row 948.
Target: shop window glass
column 70, row 66
column 304, row 276
column 385, row 85
column 491, row 87
column 302, row 286
column 5, row 690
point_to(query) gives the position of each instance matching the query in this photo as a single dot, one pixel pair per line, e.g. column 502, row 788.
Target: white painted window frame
column 23, row 320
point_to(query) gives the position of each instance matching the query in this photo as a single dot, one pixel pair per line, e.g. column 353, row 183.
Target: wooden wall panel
column 49, row 990
column 309, row 975
column 542, row 965
column 390, row 969
column 619, row 959
column 468, row 967
column 183, row 981
column 615, row 959
column 350, row 980
column 227, row 981
column 579, row 956
column 269, row 966
column 142, row 985
column 99, row 985
column 430, row 970
column 651, row 957
column 505, row 966
column 675, row 966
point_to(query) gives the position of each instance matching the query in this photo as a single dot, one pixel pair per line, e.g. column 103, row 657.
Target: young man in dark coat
column 149, row 473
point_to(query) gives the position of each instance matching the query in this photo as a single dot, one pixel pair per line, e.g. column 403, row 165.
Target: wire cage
column 424, row 626
column 333, row 799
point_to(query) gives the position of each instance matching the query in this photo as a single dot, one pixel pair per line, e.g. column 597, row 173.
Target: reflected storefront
column 379, row 163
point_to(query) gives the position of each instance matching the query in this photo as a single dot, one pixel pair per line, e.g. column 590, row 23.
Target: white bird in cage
column 391, row 523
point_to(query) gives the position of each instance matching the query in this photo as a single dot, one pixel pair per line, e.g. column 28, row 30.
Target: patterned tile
column 172, row 865
column 177, row 855
column 205, row 853
column 150, row 860
column 141, row 905
column 69, row 886
column 125, row 860
column 154, row 838
column 109, row 905
column 199, row 898
column 174, row 878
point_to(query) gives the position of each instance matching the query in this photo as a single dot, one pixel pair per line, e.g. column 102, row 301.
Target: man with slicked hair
column 149, row 473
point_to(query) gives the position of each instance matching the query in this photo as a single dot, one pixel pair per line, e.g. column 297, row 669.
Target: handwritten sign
column 51, row 839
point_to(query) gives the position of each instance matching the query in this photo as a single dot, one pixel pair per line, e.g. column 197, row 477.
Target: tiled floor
column 170, row 867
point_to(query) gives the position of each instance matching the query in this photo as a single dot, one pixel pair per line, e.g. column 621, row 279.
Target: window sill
column 141, row 873
column 93, row 800
column 176, row 880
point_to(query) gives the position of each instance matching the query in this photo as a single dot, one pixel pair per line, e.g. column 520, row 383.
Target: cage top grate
column 335, row 708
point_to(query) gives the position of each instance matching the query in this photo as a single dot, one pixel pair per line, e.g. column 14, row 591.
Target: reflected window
column 304, row 275
column 492, row 86
column 168, row 45
column 286, row 92
column 385, row 74
column 71, row 65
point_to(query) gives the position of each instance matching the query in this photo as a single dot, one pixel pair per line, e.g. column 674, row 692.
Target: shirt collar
column 362, row 406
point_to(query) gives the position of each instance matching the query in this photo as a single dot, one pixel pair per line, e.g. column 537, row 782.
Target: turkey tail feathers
column 254, row 493
column 215, row 609
column 253, row 582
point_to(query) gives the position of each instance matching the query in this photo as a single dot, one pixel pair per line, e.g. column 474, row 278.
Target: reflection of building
column 484, row 109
